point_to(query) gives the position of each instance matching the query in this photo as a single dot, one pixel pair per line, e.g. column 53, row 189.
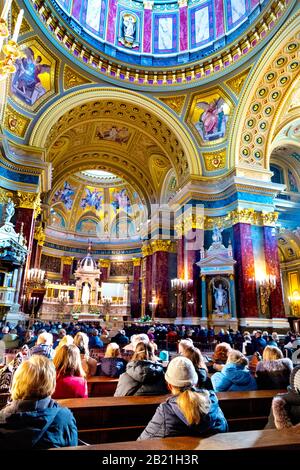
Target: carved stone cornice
column 104, row 263
column 136, row 261
column 39, row 235
column 67, row 260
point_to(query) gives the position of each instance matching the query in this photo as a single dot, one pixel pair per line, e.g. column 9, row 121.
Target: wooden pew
column 269, row 439
column 102, row 386
column 112, row 419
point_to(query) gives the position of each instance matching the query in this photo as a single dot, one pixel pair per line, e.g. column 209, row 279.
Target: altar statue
column 217, row 235
column 9, row 210
column 85, row 297
column 221, row 298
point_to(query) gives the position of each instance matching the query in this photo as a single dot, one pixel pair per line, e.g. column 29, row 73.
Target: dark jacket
column 111, row 366
column 169, row 421
column 42, row 424
column 142, row 378
column 233, row 377
column 275, row 374
column 285, row 409
column 203, row 379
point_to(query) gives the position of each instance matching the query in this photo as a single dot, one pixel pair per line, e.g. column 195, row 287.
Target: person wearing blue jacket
column 33, row 420
column 190, row 411
column 235, row 375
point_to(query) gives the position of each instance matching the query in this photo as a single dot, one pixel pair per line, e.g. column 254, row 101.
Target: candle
column 18, row 26
column 6, row 9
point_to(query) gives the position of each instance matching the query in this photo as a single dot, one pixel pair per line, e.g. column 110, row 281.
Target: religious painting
column 121, row 201
column 64, row 195
column 93, row 198
column 32, row 78
column 202, row 21
column 165, row 30
column 87, row 225
column 129, row 29
column 56, row 219
column 236, row 11
column 292, row 182
column 121, row 269
column 209, row 115
column 50, row 263
column 116, row 134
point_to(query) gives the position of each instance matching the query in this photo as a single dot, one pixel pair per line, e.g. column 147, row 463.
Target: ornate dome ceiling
column 159, row 32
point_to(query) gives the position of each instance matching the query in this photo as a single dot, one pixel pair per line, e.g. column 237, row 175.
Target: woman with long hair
column 112, row 364
column 189, row 411
column 187, row 349
column 70, row 376
column 89, row 364
column 274, row 371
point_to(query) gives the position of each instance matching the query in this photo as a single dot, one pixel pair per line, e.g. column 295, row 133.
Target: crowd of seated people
column 249, row 361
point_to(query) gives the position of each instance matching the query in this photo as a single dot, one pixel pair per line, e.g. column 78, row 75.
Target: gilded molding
column 136, row 261
column 73, row 79
column 190, row 222
column 243, row 216
column 146, row 250
column 174, row 102
column 4, row 195
column 68, row 260
column 215, row 160
column 104, row 263
column 29, row 201
column 236, row 83
column 161, row 245
column 39, row 235
column 15, row 122
column 269, row 218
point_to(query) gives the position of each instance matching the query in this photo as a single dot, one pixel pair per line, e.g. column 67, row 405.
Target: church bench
column 269, row 439
column 109, row 419
column 102, row 386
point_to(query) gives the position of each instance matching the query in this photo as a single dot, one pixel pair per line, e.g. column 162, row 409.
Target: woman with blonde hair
column 65, row 341
column 235, row 375
column 189, row 411
column 143, row 376
column 187, row 349
column 70, row 376
column 33, row 419
column 112, row 365
column 89, row 364
column 274, row 371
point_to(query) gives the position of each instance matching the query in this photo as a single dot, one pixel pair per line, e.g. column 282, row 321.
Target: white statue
column 217, row 235
column 129, row 26
column 85, row 297
column 9, row 210
column 221, row 298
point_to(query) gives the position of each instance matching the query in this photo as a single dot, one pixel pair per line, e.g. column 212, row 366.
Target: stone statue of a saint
column 217, row 235
column 129, row 26
column 9, row 211
column 221, row 298
column 85, row 297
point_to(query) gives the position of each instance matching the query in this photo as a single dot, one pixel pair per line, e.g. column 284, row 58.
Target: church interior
column 150, row 176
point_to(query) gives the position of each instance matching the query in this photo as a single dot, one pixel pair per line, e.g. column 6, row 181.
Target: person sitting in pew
column 89, row 364
column 189, row 411
column 219, row 357
column 187, row 349
column 274, row 371
column 112, row 364
column 143, row 376
column 235, row 375
column 285, row 410
column 33, row 420
column 70, row 376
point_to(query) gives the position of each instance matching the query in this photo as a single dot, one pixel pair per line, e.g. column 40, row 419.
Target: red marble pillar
column 147, row 26
column 180, row 257
column 104, row 268
column 193, row 272
column 184, row 34
column 135, row 289
column 160, row 282
column 146, row 280
column 67, row 262
column 273, row 268
column 243, row 254
column 34, row 250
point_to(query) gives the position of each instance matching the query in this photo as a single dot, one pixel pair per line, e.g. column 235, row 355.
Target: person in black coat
column 190, row 411
column 143, row 376
column 274, row 371
column 285, row 410
column 112, row 365
column 33, row 420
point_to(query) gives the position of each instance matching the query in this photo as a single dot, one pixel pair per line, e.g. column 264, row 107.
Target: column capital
column 67, row 259
column 148, row 5
column 29, row 201
column 136, row 261
column 189, row 222
column 4, row 195
column 104, row 263
column 182, row 3
column 39, row 235
column 162, row 245
column 243, row 216
column 269, row 218
column 146, row 250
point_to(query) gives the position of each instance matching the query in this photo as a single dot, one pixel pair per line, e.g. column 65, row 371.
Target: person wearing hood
column 235, row 375
column 190, row 411
column 33, row 420
column 112, row 365
column 143, row 376
column 285, row 410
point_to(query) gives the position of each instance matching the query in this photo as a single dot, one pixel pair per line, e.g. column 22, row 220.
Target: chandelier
column 9, row 52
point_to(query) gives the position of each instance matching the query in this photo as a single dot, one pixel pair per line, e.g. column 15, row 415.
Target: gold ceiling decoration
column 159, row 165
column 215, row 160
column 236, row 83
column 25, row 26
column 15, row 122
column 174, row 102
column 73, row 78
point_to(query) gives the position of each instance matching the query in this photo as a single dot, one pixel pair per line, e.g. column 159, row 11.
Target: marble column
column 192, row 272
column 135, row 289
column 147, row 36
column 37, row 247
column 183, row 15
column 146, row 280
column 67, row 262
column 232, row 296
column 276, row 304
column 203, row 295
column 111, row 21
column 243, row 254
column 160, row 277
column 104, row 268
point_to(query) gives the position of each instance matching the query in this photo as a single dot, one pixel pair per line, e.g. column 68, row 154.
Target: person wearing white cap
column 189, row 411
column 285, row 410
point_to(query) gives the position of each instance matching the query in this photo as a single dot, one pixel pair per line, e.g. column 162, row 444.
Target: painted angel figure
column 92, row 199
column 211, row 120
column 121, row 200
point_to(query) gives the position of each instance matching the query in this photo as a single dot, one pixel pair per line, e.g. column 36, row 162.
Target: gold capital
column 243, row 216
column 67, row 260
column 269, row 218
column 136, row 261
column 39, row 235
column 161, row 245
column 104, row 263
column 146, row 250
column 29, row 201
